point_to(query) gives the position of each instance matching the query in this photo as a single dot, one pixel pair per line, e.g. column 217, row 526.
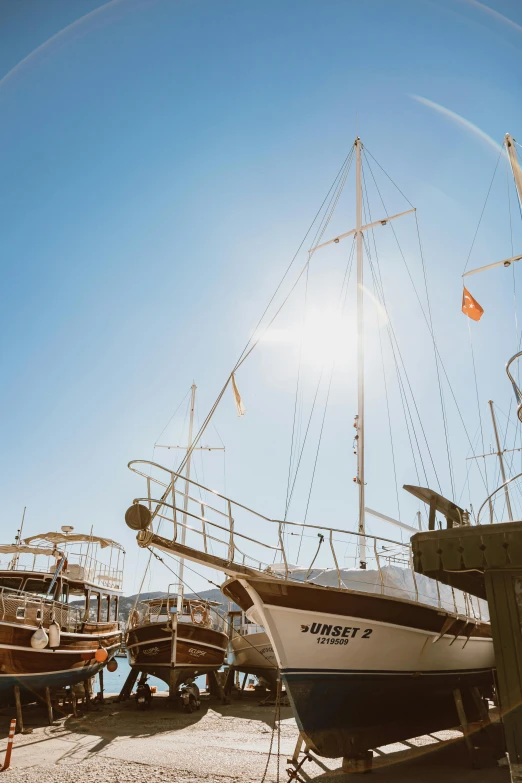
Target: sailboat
column 368, row 655
column 177, row 638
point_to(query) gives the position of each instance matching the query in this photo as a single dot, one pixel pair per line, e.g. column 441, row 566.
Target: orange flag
column 471, row 307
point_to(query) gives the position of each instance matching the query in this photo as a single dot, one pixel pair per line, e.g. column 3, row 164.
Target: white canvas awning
column 77, row 538
column 12, row 549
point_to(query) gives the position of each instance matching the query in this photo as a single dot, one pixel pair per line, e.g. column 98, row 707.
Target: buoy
column 39, row 639
column 54, row 635
column 101, row 655
column 112, row 665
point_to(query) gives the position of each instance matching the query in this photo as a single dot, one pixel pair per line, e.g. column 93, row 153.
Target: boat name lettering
column 151, row 651
column 336, row 631
column 196, row 653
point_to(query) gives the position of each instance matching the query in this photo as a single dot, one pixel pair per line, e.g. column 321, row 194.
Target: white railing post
column 231, row 538
column 378, row 564
column 203, row 526
column 335, row 559
column 414, row 577
column 282, row 545
column 174, row 517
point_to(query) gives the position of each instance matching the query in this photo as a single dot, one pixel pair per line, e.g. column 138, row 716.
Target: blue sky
column 161, row 163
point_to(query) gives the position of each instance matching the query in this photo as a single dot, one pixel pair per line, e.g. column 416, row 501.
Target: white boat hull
column 252, row 653
column 373, row 669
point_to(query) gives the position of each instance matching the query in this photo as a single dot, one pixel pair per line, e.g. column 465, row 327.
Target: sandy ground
column 221, row 743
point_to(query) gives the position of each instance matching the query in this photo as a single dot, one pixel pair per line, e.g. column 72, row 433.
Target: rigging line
column 344, row 286
column 224, row 459
column 441, row 395
column 478, row 403
column 391, row 329
column 402, row 391
column 306, row 433
column 484, row 481
column 367, row 206
column 483, row 209
column 296, row 400
column 427, row 322
column 386, row 173
column 167, row 424
column 347, row 161
column 398, row 349
column 466, row 480
column 512, row 253
column 246, row 353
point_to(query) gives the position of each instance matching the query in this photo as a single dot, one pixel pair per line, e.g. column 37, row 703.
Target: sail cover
column 398, row 582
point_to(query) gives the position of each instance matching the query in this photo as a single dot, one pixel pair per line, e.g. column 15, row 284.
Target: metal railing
column 23, row 608
column 81, row 567
column 328, row 556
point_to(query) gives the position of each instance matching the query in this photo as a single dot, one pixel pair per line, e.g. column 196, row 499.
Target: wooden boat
column 174, row 643
column 56, row 583
column 250, row 649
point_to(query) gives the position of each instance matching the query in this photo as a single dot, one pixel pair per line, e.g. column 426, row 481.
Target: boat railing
column 24, row 608
column 80, row 567
column 148, row 612
column 494, row 508
column 331, row 556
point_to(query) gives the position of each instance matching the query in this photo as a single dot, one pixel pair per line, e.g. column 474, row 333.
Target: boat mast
column 185, row 500
column 18, row 541
column 500, row 456
column 515, row 165
column 360, row 350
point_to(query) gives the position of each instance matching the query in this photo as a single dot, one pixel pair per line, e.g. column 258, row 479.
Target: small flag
column 241, row 410
column 471, row 307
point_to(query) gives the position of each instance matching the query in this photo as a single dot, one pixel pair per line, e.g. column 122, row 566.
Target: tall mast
column 185, row 500
column 360, row 349
column 501, row 460
column 515, row 165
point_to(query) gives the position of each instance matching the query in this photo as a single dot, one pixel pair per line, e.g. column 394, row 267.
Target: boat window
column 94, row 600
column 20, row 612
column 37, row 586
column 12, row 582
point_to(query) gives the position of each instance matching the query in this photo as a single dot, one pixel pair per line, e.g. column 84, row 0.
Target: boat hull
column 198, row 650
column 34, row 670
column 371, row 670
column 253, row 653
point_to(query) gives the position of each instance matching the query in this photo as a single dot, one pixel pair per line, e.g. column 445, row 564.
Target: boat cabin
column 160, row 610
column 238, row 623
column 63, row 574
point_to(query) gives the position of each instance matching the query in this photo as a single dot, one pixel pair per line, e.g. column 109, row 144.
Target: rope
column 395, row 347
column 441, row 395
column 427, row 322
column 483, row 209
column 290, row 463
column 344, row 287
column 276, row 720
column 478, row 403
column 414, row 288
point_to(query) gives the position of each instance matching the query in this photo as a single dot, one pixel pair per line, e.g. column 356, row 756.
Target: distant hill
column 127, row 602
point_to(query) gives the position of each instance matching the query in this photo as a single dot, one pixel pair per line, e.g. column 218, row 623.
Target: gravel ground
column 220, row 744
